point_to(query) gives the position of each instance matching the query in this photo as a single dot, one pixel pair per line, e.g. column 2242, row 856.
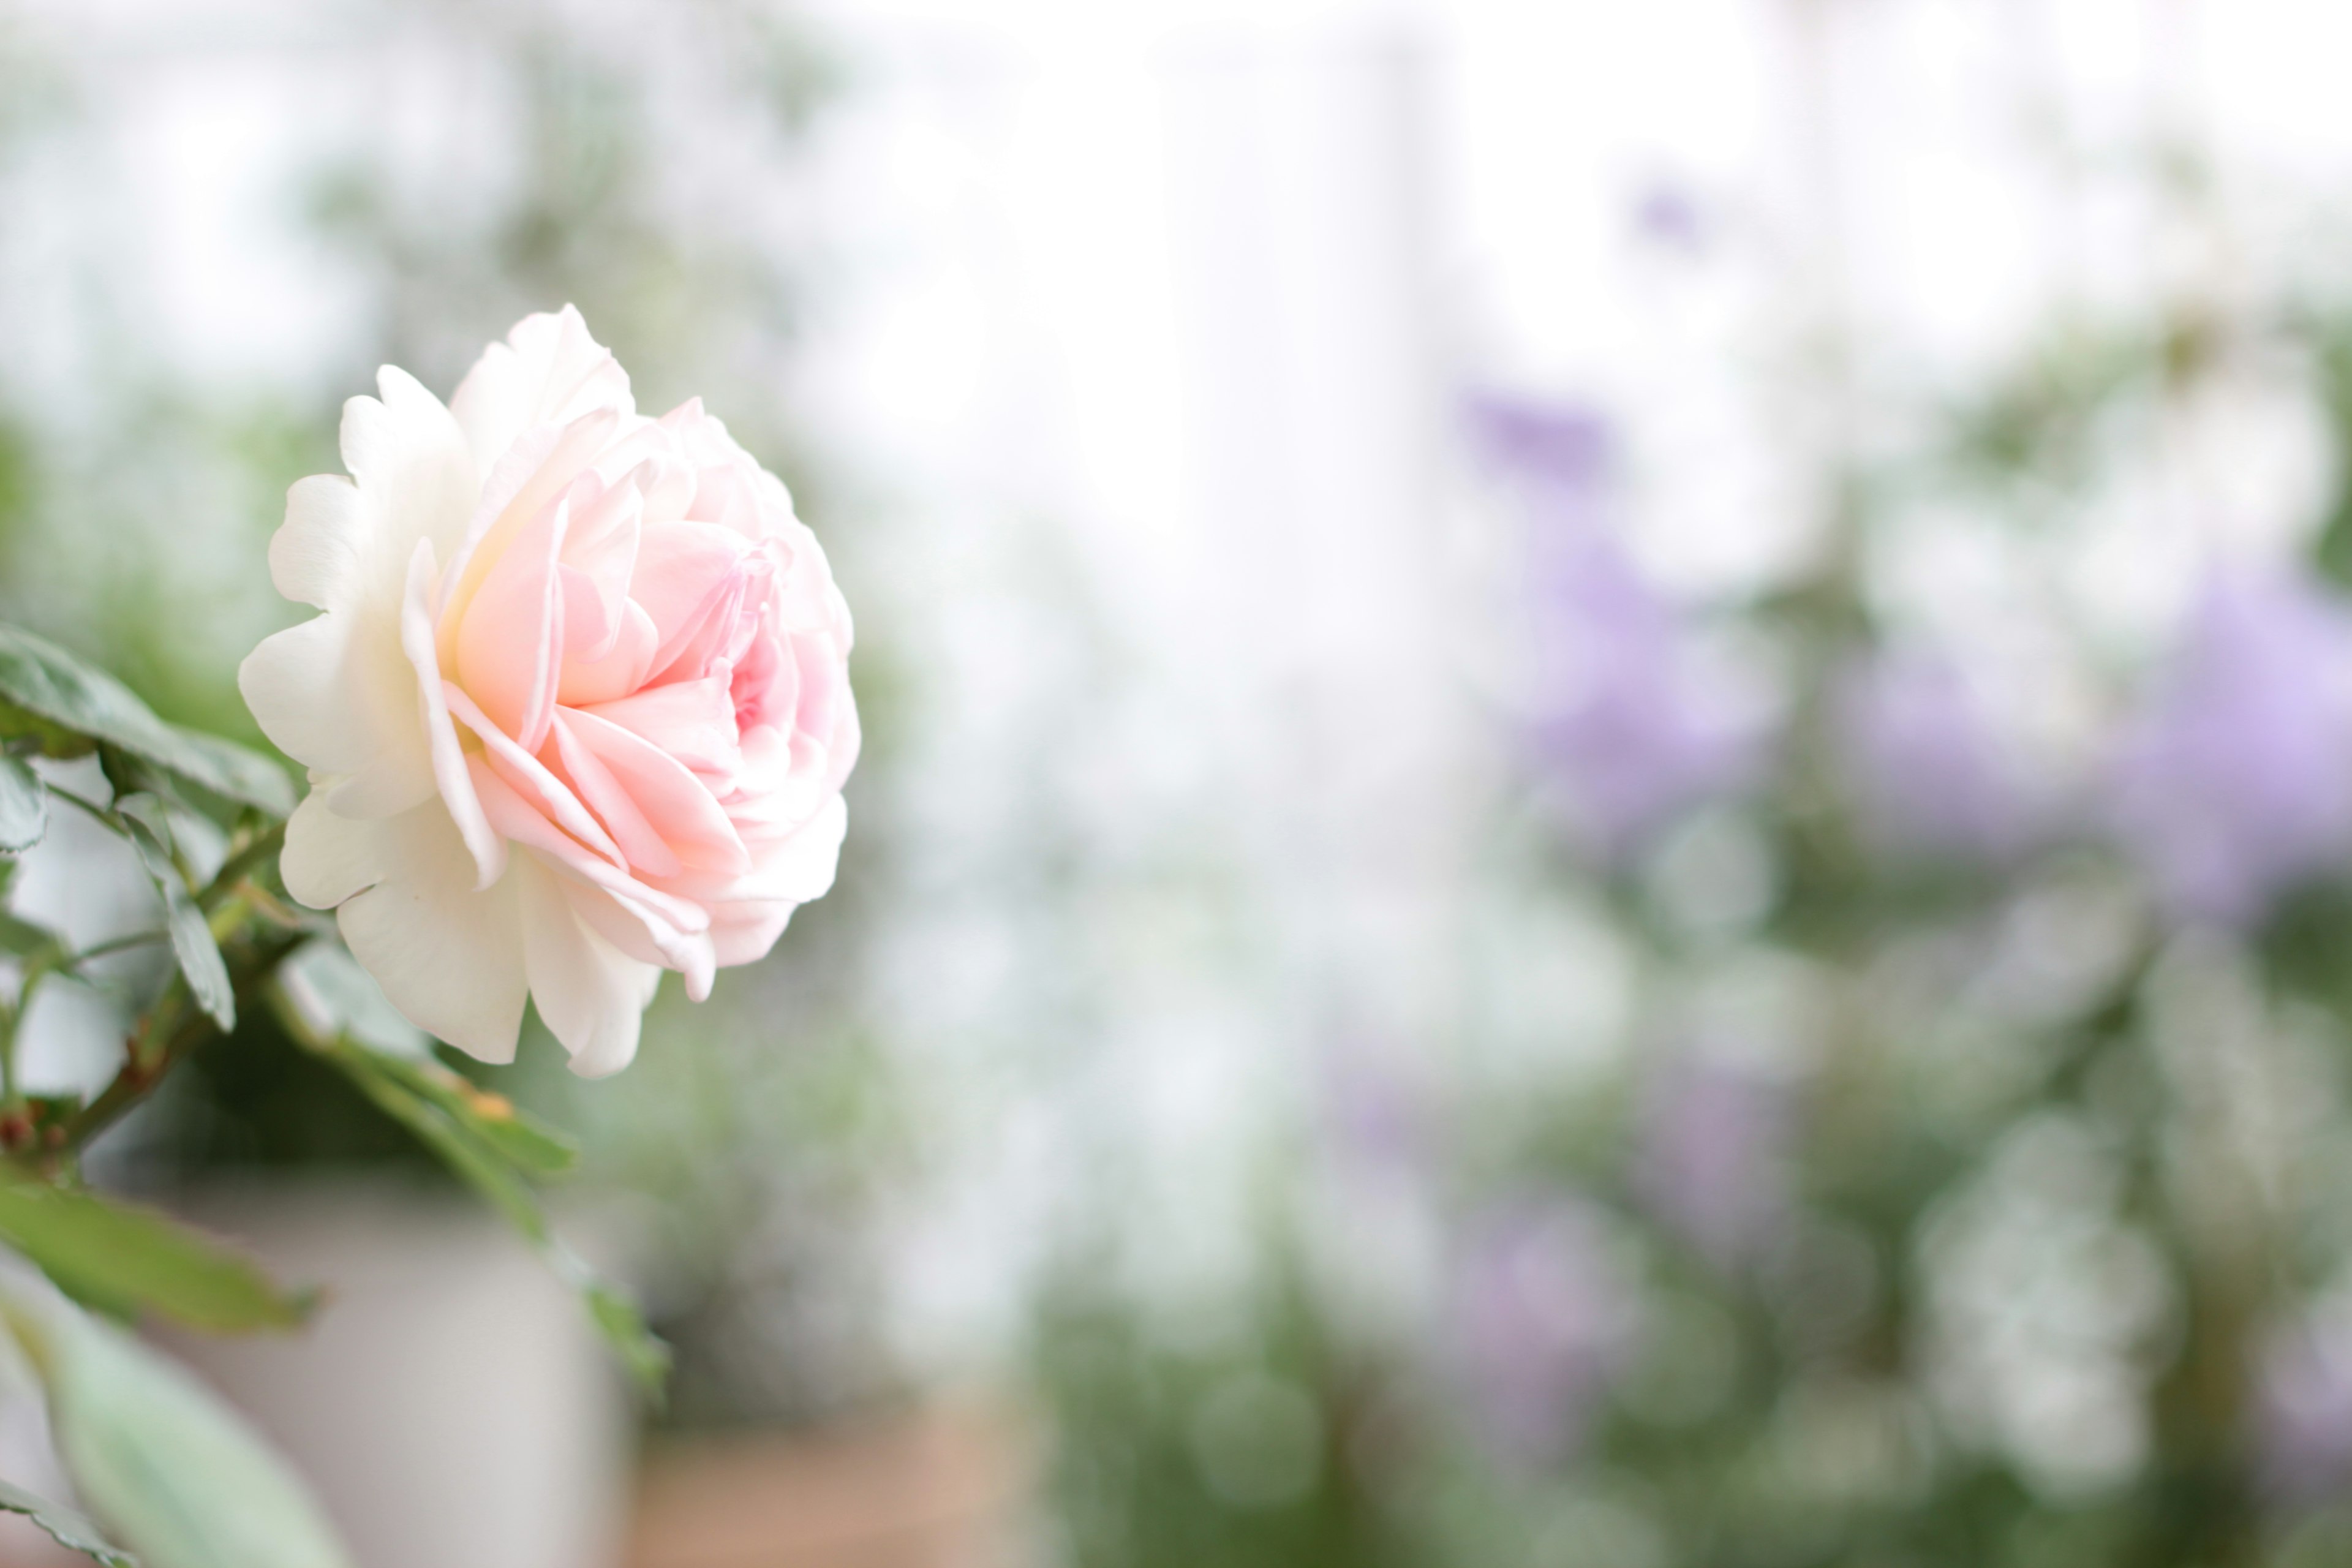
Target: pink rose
column 578, row 711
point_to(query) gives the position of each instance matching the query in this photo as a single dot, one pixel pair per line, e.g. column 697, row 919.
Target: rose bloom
column 578, row 711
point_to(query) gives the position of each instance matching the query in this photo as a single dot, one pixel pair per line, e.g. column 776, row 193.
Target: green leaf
column 332, row 996
column 193, row 942
column 172, row 1471
column 53, row 740
column 67, row 705
column 127, row 772
column 513, row 1132
column 642, row 1352
column 22, row 936
column 330, row 1005
column 66, row 1527
column 473, row 1161
column 232, row 770
column 122, row 1257
column 23, row 806
column 484, row 1167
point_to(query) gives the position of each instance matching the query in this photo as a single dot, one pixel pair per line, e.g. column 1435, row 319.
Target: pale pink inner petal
column 675, row 802
column 686, row 579
column 820, row 687
column 693, row 720
column 587, row 774
column 546, row 793
column 675, row 928
column 526, row 827
column 600, row 550
column 542, row 466
column 743, row 932
column 767, row 765
column 765, row 684
column 618, row 672
column 725, row 496
column 508, row 644
column 638, row 930
column 721, row 631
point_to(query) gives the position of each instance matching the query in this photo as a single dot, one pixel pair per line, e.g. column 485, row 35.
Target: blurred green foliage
column 2041, row 1134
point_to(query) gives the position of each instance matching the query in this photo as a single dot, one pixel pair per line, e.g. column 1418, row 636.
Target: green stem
column 252, row 943
column 265, row 847
column 171, row 1033
column 104, row 814
column 12, row 1102
column 113, row 944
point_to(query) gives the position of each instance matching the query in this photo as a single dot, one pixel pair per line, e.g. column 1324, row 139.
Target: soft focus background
column 1607, row 816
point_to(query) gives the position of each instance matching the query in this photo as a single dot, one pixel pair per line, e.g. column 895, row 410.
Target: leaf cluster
column 175, row 1479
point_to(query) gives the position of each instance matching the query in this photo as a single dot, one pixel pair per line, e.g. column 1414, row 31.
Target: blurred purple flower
column 1667, row 215
column 2236, row 781
column 1540, row 1321
column 1924, row 763
column 1564, row 455
column 1621, row 714
column 2302, row 1415
column 1377, row 1114
column 1712, row 1160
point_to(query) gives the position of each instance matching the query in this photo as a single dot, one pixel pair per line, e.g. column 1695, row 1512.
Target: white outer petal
column 318, row 555
column 319, row 691
column 413, row 469
column 330, row 858
column 591, row 994
column 550, row 369
column 336, row 692
column 449, row 956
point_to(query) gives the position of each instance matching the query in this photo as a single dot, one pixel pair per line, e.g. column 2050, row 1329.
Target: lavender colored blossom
column 1667, row 215
column 1563, row 455
column 1927, row 770
column 1377, row 1114
column 2302, row 1415
column 1712, row 1160
column 1622, row 715
column 1541, row 1321
column 1634, row 731
column 2236, row 780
